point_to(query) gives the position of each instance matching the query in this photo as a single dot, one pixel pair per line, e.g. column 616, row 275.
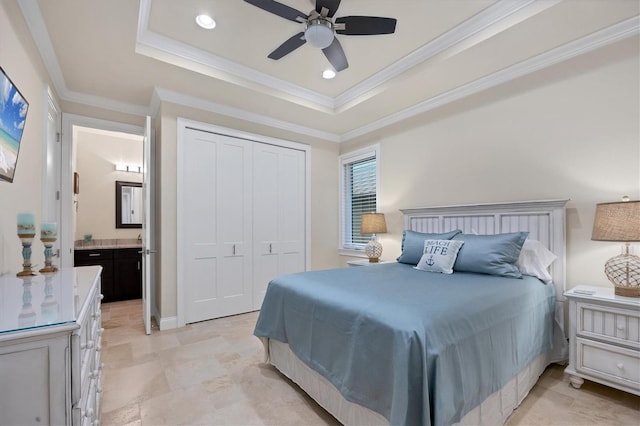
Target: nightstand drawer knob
column 620, row 326
column 620, row 366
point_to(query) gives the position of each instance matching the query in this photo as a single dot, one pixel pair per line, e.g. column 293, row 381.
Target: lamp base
column 373, row 250
column 624, row 272
column 627, row 291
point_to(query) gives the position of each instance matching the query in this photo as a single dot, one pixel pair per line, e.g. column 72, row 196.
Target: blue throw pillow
column 490, row 254
column 413, row 244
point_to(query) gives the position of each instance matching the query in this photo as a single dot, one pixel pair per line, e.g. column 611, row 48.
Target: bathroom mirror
column 128, row 204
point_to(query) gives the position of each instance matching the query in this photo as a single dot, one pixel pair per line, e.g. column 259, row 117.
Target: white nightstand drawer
column 608, row 362
column 619, row 326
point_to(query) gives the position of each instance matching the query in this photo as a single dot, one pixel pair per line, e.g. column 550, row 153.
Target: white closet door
column 217, row 225
column 279, row 215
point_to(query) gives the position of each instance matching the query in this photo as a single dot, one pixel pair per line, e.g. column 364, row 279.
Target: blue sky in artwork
column 13, row 109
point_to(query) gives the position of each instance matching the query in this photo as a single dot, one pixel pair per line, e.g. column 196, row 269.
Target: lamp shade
column 373, row 223
column 619, row 221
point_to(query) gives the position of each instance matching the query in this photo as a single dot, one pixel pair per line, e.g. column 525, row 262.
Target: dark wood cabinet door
column 127, row 274
column 101, row 257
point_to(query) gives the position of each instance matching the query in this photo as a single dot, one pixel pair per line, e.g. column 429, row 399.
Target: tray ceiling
column 129, row 56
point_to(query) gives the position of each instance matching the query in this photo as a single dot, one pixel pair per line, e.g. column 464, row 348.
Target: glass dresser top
column 44, row 300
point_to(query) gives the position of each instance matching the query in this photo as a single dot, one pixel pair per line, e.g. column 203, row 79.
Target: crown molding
column 106, row 103
column 38, row 29
column 612, row 34
column 495, row 18
column 164, row 95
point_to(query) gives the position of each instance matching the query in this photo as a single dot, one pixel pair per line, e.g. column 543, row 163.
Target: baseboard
column 166, row 323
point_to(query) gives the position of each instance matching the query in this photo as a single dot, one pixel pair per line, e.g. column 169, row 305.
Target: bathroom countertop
column 114, row 243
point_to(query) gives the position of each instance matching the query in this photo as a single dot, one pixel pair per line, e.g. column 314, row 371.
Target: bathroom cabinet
column 122, row 271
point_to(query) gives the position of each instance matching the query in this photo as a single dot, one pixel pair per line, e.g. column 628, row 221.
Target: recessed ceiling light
column 205, row 21
column 328, row 74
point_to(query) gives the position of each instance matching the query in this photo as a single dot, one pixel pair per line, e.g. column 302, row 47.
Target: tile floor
column 210, row 373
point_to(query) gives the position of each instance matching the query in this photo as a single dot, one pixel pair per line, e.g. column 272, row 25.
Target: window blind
column 360, row 183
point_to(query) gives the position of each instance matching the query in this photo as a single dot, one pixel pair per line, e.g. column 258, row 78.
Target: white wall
column 97, row 152
column 26, row 70
column 574, row 137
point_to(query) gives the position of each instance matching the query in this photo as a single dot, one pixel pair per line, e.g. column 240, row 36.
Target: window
column 358, row 195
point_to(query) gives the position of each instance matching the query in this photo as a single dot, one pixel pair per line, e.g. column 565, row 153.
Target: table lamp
column 373, row 223
column 620, row 221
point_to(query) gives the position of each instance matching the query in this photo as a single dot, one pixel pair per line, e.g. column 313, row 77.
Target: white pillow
column 439, row 255
column 535, row 259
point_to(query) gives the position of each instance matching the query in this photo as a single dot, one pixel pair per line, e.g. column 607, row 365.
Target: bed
column 393, row 344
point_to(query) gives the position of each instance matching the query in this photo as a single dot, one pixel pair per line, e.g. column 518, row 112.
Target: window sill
column 352, row 253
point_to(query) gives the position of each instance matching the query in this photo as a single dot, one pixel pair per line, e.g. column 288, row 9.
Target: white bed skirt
column 496, row 409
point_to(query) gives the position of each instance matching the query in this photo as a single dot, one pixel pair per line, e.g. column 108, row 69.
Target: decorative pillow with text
column 439, row 255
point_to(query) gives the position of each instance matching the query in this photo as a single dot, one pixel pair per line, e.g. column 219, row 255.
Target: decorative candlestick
column 48, row 236
column 26, row 232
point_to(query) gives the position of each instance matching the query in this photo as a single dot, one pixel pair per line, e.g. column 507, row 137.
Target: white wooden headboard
column 544, row 220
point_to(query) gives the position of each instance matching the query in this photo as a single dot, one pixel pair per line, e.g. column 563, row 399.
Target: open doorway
column 98, row 158
column 107, row 170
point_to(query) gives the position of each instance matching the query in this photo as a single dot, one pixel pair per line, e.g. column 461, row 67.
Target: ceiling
column 129, row 56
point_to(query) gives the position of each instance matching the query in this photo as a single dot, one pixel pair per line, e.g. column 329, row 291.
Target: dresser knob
column 89, row 413
column 101, row 296
column 620, row 366
column 620, row 327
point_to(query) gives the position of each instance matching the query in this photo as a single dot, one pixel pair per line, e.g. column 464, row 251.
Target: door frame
column 51, row 158
column 182, row 125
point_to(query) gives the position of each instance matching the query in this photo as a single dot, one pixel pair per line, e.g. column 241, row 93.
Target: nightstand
column 604, row 334
column 365, row 262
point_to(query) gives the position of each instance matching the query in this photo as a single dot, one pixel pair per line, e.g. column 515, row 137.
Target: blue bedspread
column 416, row 347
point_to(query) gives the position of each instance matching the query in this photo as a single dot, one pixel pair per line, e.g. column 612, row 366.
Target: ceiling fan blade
column 279, row 9
column 336, row 56
column 288, row 46
column 366, row 25
column 331, row 5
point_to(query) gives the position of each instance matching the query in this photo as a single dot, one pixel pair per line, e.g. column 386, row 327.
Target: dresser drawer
column 86, row 344
column 609, row 362
column 615, row 325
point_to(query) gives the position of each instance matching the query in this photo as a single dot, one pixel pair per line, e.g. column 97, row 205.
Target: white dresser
column 604, row 338
column 50, row 348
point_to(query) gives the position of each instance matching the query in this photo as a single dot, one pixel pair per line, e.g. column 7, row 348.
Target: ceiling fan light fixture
column 328, row 74
column 206, row 22
column 319, row 33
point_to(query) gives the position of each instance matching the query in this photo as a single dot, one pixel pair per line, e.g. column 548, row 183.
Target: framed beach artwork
column 13, row 115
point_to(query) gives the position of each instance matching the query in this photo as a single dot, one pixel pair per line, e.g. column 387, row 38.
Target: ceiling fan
column 320, row 28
